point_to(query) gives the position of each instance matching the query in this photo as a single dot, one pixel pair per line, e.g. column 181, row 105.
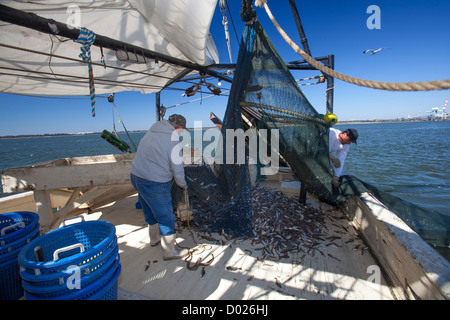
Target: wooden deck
column 342, row 267
column 336, row 271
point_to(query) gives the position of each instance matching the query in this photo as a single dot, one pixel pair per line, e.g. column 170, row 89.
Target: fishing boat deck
column 339, row 269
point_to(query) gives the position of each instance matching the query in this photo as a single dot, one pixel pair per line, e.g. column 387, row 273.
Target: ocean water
column 410, row 160
column 407, row 159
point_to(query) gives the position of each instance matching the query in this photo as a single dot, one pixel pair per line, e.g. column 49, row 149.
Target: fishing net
column 220, row 197
column 265, row 91
column 265, row 94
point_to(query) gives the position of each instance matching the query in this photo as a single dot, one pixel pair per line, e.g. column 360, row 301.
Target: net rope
column 391, row 86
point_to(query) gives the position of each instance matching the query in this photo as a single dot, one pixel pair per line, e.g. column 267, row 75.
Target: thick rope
column 391, row 86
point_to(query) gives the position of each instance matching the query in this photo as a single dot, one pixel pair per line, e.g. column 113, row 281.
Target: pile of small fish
column 279, row 225
column 282, row 224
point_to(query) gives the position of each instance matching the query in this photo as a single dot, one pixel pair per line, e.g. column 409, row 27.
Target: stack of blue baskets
column 16, row 230
column 79, row 261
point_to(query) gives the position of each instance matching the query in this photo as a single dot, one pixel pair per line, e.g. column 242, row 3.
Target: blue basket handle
column 71, row 218
column 18, row 224
column 60, row 250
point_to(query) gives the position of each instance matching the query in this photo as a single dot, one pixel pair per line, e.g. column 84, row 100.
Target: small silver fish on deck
column 147, row 265
column 233, row 268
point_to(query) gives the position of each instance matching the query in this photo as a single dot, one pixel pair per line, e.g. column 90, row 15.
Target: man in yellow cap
column 152, row 171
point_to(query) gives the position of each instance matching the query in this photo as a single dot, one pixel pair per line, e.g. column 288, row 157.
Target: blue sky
column 416, row 31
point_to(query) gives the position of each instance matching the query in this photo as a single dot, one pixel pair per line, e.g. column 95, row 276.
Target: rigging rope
column 232, row 23
column 87, row 38
column 223, row 5
column 111, row 100
column 391, row 86
column 195, row 100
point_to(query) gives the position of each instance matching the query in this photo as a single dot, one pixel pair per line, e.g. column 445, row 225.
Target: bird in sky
column 372, row 52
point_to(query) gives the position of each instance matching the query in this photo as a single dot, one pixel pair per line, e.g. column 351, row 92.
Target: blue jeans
column 156, row 201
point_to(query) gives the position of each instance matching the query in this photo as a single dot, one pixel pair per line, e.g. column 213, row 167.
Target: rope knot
column 260, row 3
column 86, row 38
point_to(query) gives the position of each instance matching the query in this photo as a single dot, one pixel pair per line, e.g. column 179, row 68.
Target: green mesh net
column 265, row 92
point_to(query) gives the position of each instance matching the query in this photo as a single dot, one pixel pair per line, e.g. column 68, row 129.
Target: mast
column 329, row 61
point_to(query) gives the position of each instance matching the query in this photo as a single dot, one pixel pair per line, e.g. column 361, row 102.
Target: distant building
column 438, row 113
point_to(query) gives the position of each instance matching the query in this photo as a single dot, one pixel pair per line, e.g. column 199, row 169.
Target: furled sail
column 38, row 63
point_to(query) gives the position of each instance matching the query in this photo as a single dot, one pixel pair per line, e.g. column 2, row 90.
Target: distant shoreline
column 48, row 135
column 387, row 121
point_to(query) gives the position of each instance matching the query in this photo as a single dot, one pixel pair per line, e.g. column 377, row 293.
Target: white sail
column 178, row 29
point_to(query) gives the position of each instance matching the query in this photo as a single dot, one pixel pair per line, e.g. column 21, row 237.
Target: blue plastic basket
column 89, row 246
column 76, row 244
column 16, row 230
column 12, row 249
column 49, row 286
column 104, row 288
column 15, row 225
column 10, row 281
column 109, row 290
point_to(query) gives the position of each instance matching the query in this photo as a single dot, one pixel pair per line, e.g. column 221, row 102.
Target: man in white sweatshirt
column 339, row 143
column 152, row 171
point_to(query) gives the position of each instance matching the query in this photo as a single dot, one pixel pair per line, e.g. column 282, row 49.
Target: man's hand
column 336, row 161
column 335, row 182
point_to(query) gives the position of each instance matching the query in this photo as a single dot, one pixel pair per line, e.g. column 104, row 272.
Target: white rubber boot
column 169, row 250
column 153, row 232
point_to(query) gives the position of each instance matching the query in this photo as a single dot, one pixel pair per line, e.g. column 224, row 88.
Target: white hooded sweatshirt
column 153, row 160
column 338, row 149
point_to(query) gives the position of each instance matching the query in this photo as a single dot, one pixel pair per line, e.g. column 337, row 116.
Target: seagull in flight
column 372, row 52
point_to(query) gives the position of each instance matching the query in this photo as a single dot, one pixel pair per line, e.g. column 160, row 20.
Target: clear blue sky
column 416, row 31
